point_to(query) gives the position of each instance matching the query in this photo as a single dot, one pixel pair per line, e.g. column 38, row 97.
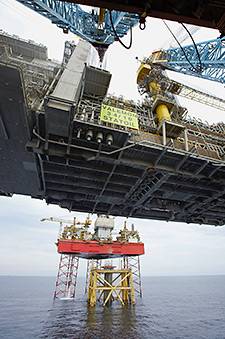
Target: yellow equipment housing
column 154, row 87
column 162, row 113
column 142, row 72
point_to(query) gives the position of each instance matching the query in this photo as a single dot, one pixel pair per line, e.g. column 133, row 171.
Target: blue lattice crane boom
column 93, row 27
column 186, row 60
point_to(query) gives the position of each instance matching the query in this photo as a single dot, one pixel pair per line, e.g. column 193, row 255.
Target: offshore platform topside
column 64, row 140
column 105, row 282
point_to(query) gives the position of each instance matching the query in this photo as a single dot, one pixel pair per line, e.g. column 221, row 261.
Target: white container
column 103, row 227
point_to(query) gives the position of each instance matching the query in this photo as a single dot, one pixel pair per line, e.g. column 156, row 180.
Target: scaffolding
column 133, row 263
column 109, row 284
column 67, row 277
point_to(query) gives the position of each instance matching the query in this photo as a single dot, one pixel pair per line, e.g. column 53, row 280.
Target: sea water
column 171, row 307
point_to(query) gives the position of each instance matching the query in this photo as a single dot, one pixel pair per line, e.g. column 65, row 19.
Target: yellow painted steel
column 142, row 72
column 162, row 113
column 154, row 87
column 92, row 297
column 108, row 285
column 158, row 57
column 132, row 289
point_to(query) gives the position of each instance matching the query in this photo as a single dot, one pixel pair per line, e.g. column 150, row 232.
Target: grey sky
column 27, row 245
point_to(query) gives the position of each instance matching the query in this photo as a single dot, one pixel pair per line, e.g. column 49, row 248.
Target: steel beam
column 185, row 60
column 71, row 17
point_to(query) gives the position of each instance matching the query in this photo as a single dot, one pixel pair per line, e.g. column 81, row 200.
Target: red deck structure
column 93, row 249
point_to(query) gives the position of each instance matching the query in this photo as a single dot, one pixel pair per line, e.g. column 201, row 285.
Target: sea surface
column 171, row 307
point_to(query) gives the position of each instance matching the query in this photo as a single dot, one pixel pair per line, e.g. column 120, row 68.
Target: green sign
column 119, row 116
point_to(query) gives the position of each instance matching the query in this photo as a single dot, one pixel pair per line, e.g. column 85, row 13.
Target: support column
column 91, row 263
column 186, row 139
column 164, row 132
column 92, row 291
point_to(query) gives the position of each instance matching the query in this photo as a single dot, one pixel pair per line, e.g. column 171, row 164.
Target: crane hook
column 142, row 21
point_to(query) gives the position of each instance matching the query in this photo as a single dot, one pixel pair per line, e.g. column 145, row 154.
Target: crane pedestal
column 110, row 284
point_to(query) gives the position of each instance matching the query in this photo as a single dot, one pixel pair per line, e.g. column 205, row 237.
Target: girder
column 195, row 12
column 71, row 17
column 185, row 60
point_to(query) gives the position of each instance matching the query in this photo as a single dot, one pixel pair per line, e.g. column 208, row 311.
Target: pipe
column 157, row 146
column 83, row 148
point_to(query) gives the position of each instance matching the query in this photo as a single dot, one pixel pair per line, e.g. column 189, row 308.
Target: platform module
column 100, row 244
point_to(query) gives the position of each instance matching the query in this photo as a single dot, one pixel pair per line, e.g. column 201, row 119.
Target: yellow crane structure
column 152, row 80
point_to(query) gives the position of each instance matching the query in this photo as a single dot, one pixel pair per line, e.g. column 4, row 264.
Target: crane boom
column 90, row 26
column 199, row 96
column 70, row 222
column 52, row 219
column 185, row 60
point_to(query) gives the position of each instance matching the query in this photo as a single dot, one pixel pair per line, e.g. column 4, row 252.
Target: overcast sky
column 27, row 245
